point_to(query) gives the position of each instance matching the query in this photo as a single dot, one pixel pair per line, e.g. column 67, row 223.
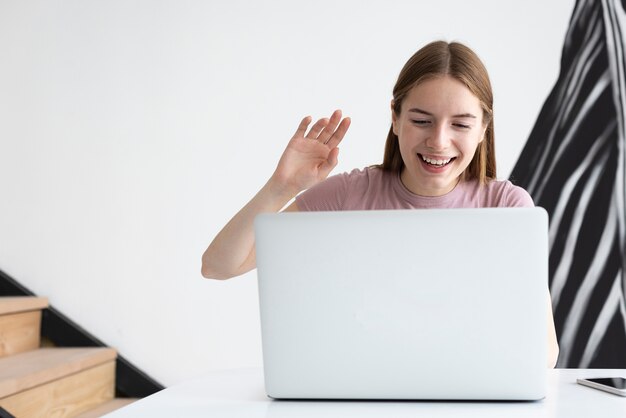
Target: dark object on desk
column 615, row 385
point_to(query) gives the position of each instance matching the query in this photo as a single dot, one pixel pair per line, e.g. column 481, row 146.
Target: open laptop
column 404, row 304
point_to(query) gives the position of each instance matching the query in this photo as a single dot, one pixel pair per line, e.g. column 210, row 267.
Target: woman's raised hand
column 307, row 160
column 310, row 157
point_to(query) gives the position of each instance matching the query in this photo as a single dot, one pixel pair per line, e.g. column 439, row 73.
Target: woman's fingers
column 327, row 166
column 329, row 130
column 339, row 133
column 317, row 128
column 326, row 131
column 302, row 127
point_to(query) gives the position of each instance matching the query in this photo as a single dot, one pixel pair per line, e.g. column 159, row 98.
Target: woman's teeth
column 436, row 162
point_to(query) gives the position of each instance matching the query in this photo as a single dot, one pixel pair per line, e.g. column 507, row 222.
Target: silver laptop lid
column 404, row 304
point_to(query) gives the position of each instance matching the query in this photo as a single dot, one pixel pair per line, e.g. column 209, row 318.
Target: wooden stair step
column 65, row 397
column 23, row 371
column 15, row 304
column 19, row 332
column 20, row 324
column 107, row 407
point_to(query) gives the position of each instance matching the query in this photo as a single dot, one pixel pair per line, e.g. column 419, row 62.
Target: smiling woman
column 437, row 144
column 439, row 154
column 446, row 81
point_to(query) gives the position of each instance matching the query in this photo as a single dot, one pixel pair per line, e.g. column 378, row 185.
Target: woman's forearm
column 553, row 345
column 232, row 251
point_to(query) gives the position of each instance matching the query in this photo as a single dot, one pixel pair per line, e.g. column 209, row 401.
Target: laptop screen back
column 415, row 304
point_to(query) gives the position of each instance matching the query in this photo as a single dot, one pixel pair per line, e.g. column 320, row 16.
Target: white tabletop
column 240, row 393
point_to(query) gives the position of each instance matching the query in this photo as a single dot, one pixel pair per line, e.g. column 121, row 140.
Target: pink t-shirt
column 372, row 188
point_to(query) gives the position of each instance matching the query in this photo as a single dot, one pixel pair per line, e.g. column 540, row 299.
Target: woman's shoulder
column 341, row 190
column 503, row 193
column 365, row 177
column 496, row 193
column 370, row 172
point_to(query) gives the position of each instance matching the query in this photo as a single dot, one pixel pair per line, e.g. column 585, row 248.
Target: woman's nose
column 440, row 138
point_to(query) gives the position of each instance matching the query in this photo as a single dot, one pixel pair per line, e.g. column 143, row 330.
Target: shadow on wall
column 573, row 166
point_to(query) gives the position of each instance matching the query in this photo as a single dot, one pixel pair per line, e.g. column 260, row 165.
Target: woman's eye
column 420, row 122
column 461, row 125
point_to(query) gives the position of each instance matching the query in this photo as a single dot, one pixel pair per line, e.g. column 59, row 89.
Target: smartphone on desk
column 615, row 385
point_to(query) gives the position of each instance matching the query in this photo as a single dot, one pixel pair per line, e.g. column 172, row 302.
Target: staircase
column 38, row 381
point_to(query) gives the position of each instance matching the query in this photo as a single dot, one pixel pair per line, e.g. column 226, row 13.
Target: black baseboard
column 5, row 414
column 130, row 382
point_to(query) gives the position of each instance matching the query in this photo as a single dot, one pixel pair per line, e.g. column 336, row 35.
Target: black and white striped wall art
column 573, row 166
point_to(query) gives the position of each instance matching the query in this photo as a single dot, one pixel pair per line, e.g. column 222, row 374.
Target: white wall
column 131, row 131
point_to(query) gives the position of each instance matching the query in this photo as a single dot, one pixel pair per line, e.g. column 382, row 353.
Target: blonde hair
column 456, row 60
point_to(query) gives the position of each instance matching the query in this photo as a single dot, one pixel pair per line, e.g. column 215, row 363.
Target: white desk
column 240, row 393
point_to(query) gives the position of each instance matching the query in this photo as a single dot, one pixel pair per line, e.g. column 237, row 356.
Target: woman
column 439, row 154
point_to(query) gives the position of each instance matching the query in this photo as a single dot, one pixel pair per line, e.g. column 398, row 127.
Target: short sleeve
column 329, row 195
column 517, row 197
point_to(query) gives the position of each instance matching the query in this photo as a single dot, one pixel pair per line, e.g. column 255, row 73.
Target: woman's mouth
column 436, row 161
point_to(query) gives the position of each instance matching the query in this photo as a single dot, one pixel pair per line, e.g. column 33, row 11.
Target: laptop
column 404, row 304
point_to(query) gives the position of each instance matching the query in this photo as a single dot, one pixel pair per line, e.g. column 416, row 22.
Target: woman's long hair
column 456, row 60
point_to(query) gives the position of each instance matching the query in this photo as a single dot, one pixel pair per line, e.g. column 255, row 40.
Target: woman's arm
column 553, row 345
column 307, row 160
column 232, row 251
column 518, row 197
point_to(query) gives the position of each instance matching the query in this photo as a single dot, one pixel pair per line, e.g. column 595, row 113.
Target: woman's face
column 439, row 128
